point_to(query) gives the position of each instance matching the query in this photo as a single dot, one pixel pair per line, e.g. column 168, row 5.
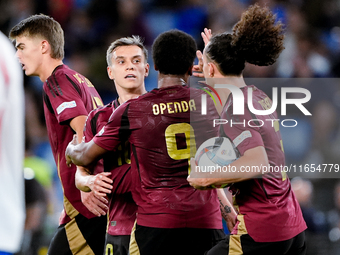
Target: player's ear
column 211, row 69
column 45, row 46
column 147, row 69
column 110, row 73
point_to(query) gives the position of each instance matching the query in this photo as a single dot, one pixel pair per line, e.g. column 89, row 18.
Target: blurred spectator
column 83, row 35
column 223, row 14
column 12, row 11
column 35, row 129
column 311, row 59
column 191, row 17
column 103, row 15
column 36, row 209
column 334, row 216
column 61, row 10
column 41, row 168
column 41, row 202
column 304, row 55
column 334, row 221
column 132, row 21
column 315, row 220
column 324, row 122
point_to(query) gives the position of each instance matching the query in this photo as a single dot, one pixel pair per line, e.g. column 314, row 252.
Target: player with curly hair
column 164, row 128
column 269, row 219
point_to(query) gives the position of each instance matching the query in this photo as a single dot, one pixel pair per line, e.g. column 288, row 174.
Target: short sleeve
column 88, row 128
column 243, row 135
column 110, row 136
column 65, row 100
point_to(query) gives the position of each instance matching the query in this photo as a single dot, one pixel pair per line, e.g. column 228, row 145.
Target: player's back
column 166, row 129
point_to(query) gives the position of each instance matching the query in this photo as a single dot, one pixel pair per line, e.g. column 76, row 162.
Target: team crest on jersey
column 66, row 105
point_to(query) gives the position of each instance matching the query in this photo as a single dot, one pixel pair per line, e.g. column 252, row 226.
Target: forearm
column 254, row 159
column 77, row 124
column 76, row 154
column 229, row 177
column 82, row 179
column 227, row 210
column 226, row 207
column 83, row 154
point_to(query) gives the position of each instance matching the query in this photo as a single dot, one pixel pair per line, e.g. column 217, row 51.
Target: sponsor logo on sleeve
column 66, row 105
column 244, row 135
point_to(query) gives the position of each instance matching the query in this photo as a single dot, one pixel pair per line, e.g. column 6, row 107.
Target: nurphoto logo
column 268, row 107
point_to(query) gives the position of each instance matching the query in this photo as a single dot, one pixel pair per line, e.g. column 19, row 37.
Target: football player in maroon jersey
column 68, row 98
column 161, row 126
column 127, row 67
column 269, row 219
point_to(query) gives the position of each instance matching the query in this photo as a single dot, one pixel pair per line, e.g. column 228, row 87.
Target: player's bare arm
column 83, row 154
column 253, row 157
column 92, row 194
column 77, row 124
column 227, row 210
column 100, row 183
column 198, row 69
column 96, row 203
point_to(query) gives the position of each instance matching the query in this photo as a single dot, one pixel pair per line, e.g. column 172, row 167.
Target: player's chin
column 29, row 73
column 133, row 84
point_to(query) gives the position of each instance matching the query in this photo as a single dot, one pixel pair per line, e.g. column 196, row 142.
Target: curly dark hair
column 174, row 52
column 256, row 39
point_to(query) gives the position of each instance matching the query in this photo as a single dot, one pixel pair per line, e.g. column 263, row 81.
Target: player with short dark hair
column 269, row 219
column 164, row 128
column 68, row 98
column 165, row 60
column 127, row 66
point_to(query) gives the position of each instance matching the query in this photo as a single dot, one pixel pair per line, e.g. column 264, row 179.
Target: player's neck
column 48, row 67
column 168, row 80
column 223, row 93
column 125, row 95
column 237, row 81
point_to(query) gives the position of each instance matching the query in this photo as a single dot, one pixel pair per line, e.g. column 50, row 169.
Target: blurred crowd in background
column 312, row 51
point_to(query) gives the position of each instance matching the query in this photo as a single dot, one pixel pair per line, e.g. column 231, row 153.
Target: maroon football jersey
column 268, row 209
column 164, row 128
column 67, row 94
column 122, row 208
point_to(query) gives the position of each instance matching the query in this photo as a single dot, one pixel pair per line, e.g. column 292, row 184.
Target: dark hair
column 256, row 39
column 42, row 26
column 174, row 52
column 126, row 41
